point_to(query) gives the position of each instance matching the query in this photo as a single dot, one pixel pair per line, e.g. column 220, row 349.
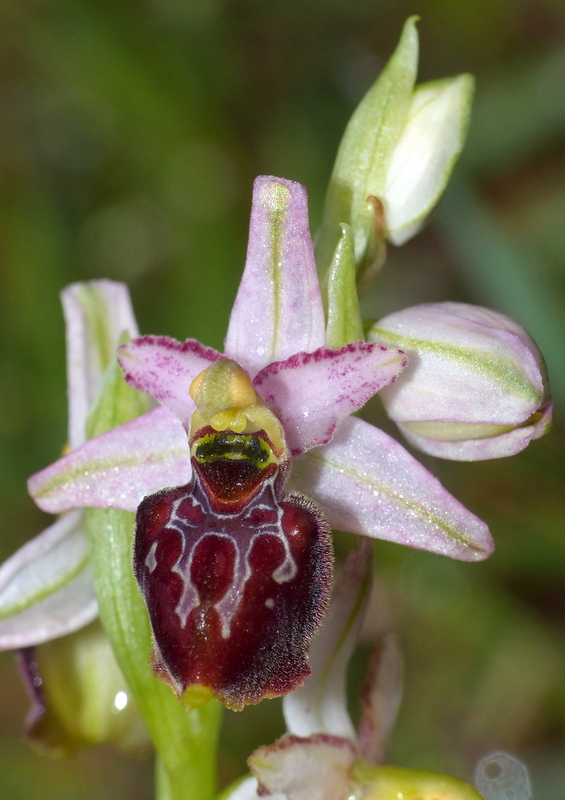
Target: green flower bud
column 79, row 695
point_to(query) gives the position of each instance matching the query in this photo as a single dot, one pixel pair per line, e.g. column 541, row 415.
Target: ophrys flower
column 363, row 480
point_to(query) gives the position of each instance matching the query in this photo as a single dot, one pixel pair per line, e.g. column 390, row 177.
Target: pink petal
column 505, row 444
column 165, row 368
column 46, row 588
column 367, row 483
column 119, row 468
column 311, row 393
column 96, row 314
column 320, row 704
column 278, row 309
column 304, row 769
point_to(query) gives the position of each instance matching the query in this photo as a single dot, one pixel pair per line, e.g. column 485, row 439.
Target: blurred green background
column 130, row 135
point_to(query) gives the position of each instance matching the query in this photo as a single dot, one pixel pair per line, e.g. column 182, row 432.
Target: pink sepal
column 117, row 469
column 89, row 348
column 368, row 484
column 48, row 585
column 278, row 309
column 380, row 700
column 320, row 705
column 466, row 364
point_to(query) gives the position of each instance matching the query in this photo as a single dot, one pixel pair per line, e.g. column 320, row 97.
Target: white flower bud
column 475, row 386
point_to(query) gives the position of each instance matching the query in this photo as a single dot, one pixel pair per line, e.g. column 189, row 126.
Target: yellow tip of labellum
column 195, row 696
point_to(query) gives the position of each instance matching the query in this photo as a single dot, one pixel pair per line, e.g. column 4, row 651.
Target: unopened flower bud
column 395, row 158
column 425, row 154
column 374, row 783
column 79, row 696
column 475, row 386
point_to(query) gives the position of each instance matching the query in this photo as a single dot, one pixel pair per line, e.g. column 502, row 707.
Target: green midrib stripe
column 94, row 469
column 100, row 331
column 277, row 215
column 46, row 591
column 417, row 509
column 480, row 363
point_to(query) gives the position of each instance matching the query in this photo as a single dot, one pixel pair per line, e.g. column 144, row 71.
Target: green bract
column 344, row 317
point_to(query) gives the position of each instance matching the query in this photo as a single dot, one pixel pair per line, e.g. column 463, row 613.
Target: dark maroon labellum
column 235, row 573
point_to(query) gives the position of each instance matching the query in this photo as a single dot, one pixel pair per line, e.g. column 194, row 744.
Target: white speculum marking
column 151, row 559
column 239, row 529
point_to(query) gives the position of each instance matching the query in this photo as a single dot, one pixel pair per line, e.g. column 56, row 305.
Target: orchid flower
column 78, row 694
column 289, row 399
column 46, row 588
column 322, row 756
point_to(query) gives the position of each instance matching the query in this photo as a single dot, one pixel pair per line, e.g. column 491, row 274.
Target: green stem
column 162, row 785
column 185, row 741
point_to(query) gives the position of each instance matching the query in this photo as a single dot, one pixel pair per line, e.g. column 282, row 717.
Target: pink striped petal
column 165, row 368
column 117, row 469
column 278, row 309
column 367, row 483
column 466, row 364
column 311, row 393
